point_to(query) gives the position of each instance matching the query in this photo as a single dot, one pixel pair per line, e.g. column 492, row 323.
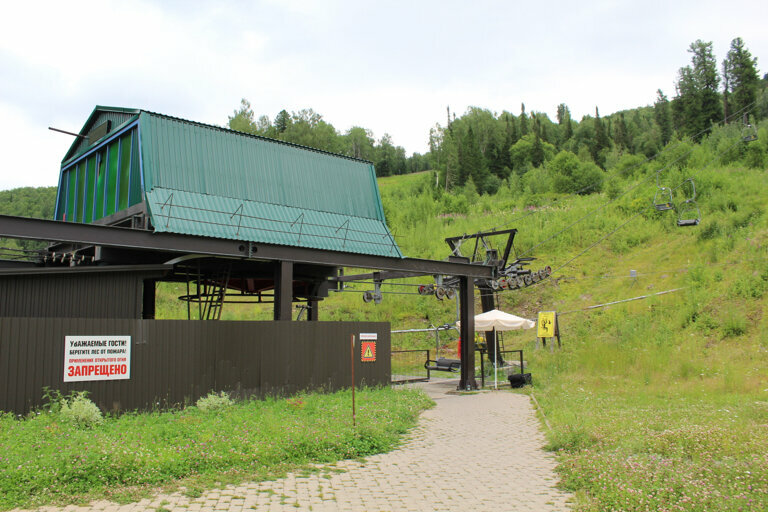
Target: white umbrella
column 495, row 320
column 501, row 321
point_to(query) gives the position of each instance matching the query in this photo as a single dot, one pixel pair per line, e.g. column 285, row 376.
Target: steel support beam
column 395, row 275
column 313, row 310
column 283, row 290
column 126, row 238
column 467, row 333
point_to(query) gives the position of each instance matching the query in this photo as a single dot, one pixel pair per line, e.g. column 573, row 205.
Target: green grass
column 44, row 460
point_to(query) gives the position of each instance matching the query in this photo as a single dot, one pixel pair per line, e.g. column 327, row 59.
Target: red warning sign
column 368, row 351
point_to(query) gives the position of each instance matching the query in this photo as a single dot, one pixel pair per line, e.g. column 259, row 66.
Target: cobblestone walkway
column 478, row 451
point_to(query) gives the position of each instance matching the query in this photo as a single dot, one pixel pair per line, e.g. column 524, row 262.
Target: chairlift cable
column 606, row 304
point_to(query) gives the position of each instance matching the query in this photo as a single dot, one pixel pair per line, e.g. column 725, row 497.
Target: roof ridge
column 254, row 136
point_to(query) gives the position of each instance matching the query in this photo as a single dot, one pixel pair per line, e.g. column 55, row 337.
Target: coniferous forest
column 560, row 155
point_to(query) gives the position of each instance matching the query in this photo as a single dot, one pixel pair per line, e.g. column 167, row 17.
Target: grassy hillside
column 656, row 404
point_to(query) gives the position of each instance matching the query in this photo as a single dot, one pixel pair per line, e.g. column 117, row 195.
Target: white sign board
column 97, row 358
column 369, row 336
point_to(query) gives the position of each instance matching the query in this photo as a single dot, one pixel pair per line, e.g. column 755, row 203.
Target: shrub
column 571, row 175
column 79, row 410
column 613, row 188
column 630, row 165
column 755, row 156
column 710, row 231
column 734, row 326
column 214, row 402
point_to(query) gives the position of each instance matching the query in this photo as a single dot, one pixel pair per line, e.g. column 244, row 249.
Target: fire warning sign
column 97, row 358
column 368, row 347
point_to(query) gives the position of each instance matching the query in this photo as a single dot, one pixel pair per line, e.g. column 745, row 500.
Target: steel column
column 467, row 333
column 312, row 311
column 283, row 290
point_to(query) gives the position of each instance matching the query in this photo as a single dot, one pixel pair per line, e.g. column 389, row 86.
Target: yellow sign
column 546, row 324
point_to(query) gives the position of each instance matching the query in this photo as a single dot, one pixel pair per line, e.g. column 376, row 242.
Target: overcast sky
column 391, row 67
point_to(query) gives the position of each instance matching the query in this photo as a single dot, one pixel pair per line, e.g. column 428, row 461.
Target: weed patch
column 44, row 459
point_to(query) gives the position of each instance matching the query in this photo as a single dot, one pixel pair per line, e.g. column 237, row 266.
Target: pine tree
column 601, row 141
column 451, row 156
column 740, row 79
column 621, row 133
column 471, row 161
column 698, row 101
column 537, row 152
column 564, row 120
column 663, row 117
column 523, row 121
column 511, row 132
column 282, row 120
column 568, row 133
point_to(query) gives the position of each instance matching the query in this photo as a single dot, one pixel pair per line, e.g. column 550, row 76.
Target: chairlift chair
column 661, row 194
column 684, row 214
column 749, row 133
column 685, row 217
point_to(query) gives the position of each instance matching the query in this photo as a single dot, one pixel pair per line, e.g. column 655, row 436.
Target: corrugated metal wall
column 79, row 295
column 177, row 361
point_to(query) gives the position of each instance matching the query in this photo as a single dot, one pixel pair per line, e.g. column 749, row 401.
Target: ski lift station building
column 146, row 198
column 185, row 177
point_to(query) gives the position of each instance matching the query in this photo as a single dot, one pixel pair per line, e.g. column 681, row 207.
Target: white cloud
column 391, row 67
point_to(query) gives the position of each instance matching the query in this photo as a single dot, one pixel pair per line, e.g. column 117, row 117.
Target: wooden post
column 352, row 360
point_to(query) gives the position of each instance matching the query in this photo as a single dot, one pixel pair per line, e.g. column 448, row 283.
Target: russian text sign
column 97, row 358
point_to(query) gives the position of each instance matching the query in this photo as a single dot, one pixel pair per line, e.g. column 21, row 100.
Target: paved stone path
column 478, row 451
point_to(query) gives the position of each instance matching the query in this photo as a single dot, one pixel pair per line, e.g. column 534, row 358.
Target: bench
column 441, row 364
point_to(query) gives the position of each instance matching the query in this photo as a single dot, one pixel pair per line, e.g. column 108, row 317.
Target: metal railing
column 505, row 368
column 408, row 366
column 239, row 221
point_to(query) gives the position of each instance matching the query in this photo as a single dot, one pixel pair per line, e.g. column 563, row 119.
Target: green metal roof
column 206, row 180
column 191, row 213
